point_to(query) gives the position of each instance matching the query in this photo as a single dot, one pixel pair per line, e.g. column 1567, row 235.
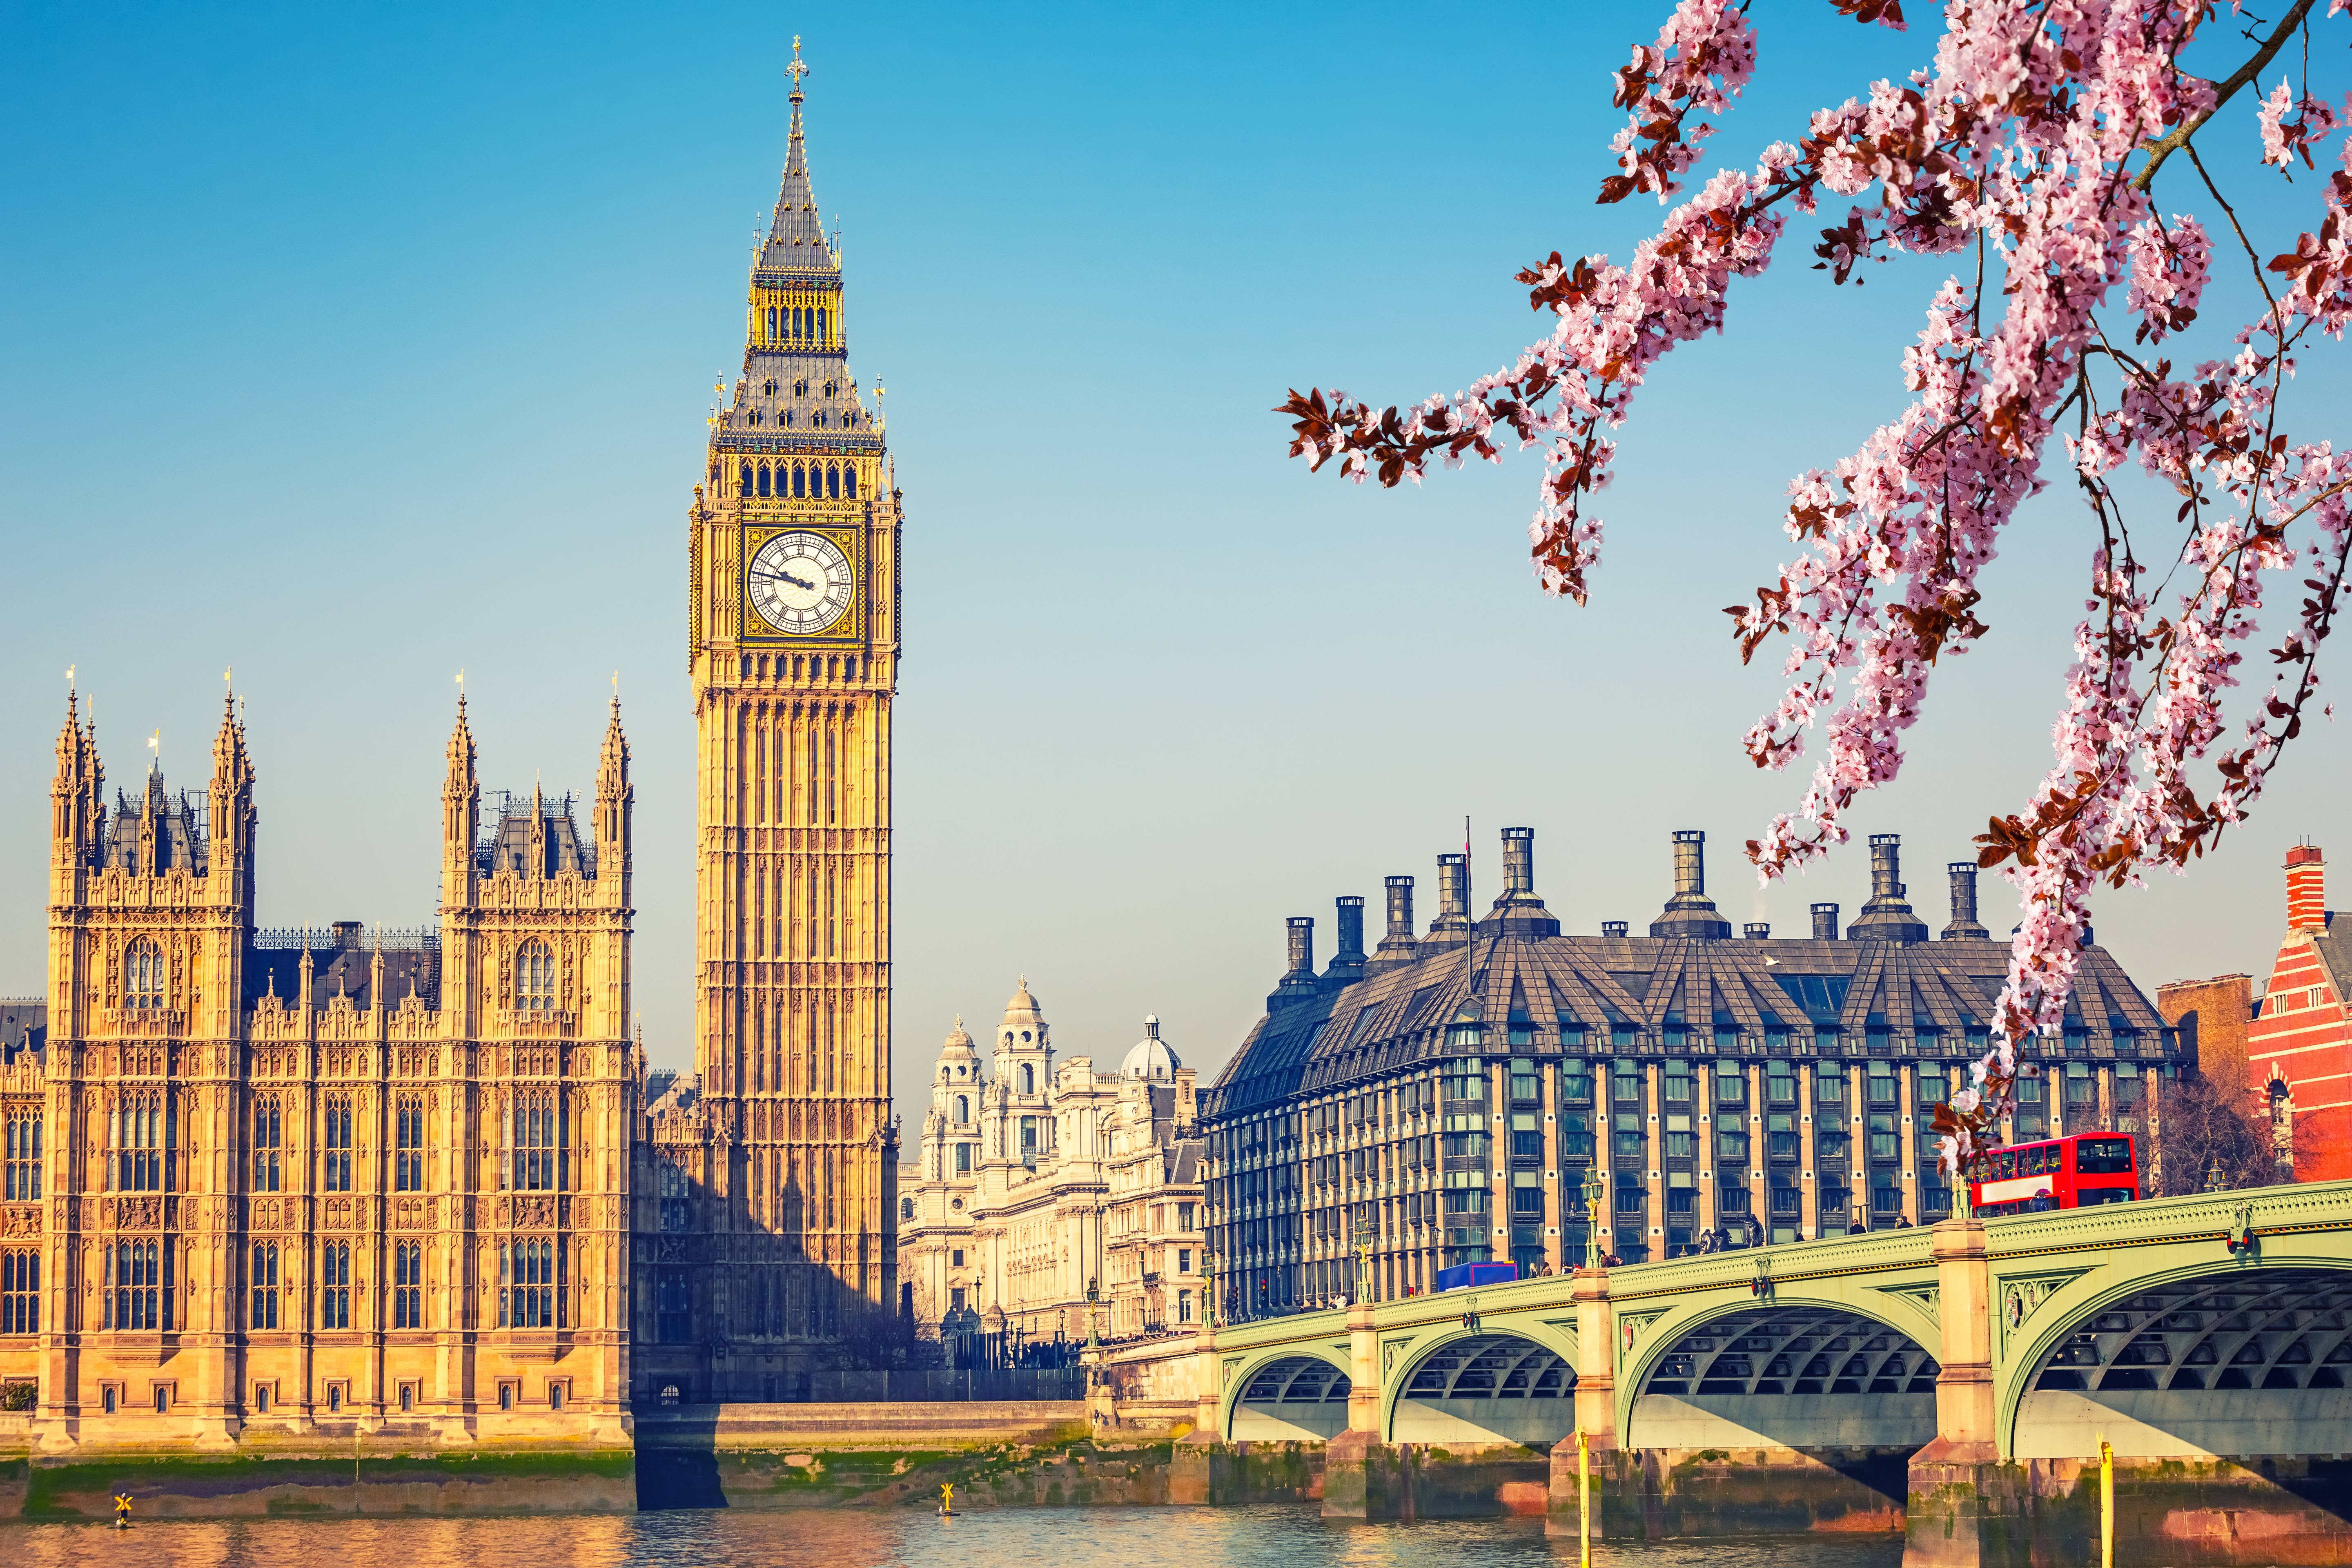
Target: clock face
column 800, row 583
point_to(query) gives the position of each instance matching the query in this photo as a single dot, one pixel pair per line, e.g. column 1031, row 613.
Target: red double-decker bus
column 2062, row 1174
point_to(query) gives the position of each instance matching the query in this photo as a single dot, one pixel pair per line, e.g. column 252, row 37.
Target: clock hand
column 788, row 577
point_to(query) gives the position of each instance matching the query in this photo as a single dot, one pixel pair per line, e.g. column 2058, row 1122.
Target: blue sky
column 350, row 345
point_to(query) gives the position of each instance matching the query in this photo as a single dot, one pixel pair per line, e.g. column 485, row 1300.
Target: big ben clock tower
column 794, row 573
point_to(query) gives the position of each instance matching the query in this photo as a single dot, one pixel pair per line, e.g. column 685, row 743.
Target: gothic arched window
column 335, row 1160
column 408, row 1163
column 963, row 1109
column 535, row 978
column 800, row 481
column 748, row 480
column 832, row 482
column 142, row 974
column 536, row 1138
column 820, row 326
column 849, row 481
column 1028, row 1078
column 763, row 478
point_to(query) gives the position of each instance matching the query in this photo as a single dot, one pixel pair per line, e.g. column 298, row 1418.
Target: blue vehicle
column 1463, row 1274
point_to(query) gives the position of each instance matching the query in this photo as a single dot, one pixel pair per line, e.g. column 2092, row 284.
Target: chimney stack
column 1615, row 928
column 1825, row 922
column 1298, row 983
column 1517, row 912
column 1964, row 902
column 1351, row 930
column 1755, row 931
column 1453, row 922
column 1397, row 947
column 2306, row 888
column 1400, row 910
column 1518, row 860
column 1690, row 913
column 1348, row 963
column 1887, row 918
column 1690, row 862
column 1885, row 866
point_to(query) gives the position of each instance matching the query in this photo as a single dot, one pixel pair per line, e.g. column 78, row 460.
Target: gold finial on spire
column 799, row 68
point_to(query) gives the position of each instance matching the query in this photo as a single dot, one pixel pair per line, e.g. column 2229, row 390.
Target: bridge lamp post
column 1594, row 1186
column 1363, row 1239
column 1093, row 1347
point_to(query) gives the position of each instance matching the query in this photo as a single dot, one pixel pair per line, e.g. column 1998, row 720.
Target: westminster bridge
column 1956, row 1381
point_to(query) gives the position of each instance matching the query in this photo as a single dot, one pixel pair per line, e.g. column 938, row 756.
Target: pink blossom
column 2027, row 135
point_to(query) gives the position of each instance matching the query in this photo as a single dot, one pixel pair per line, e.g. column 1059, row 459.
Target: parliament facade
column 342, row 1182
column 322, row 1182
column 1498, row 1089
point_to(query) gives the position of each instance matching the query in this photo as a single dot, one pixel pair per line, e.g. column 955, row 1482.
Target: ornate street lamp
column 1093, row 1294
column 1595, row 1185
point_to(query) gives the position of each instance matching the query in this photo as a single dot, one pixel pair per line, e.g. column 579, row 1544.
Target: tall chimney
column 1885, row 866
column 2306, row 888
column 1351, row 929
column 1298, row 983
column 1517, row 912
column 1756, row 931
column 1399, row 890
column 1518, row 860
column 1825, row 924
column 1690, row 913
column 1963, row 902
column 1347, row 964
column 1453, row 922
column 1690, row 862
column 1397, row 947
column 1887, row 918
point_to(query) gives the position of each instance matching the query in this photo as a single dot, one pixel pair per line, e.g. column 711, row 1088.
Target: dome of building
column 958, row 1058
column 1024, row 1024
column 1151, row 1060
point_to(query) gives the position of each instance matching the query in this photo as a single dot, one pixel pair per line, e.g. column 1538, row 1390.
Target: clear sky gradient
column 350, row 345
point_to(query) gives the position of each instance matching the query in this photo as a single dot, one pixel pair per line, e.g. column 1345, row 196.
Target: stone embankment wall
column 348, row 1478
column 994, row 1456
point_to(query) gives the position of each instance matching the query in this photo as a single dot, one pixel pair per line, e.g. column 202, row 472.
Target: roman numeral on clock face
column 801, row 584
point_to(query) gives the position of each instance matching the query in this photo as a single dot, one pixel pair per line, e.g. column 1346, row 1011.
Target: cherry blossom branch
column 2178, row 138
column 2037, row 132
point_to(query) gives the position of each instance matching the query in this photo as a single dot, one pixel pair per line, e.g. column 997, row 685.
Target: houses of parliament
column 338, row 1180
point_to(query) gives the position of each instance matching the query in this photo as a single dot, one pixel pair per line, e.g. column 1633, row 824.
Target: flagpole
column 1470, row 932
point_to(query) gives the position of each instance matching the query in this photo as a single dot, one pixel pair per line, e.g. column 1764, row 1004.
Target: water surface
column 1270, row 1537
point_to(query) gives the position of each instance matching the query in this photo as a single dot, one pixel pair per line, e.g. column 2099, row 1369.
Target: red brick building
column 2303, row 1034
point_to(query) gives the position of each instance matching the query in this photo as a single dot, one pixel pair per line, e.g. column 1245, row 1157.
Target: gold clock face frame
column 803, row 584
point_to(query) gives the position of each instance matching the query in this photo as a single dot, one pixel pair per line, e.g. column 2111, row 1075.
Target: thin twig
column 2159, row 151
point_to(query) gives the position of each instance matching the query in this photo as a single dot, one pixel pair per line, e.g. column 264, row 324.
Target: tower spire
column 796, row 241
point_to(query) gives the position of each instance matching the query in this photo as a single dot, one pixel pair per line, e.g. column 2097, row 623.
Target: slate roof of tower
column 785, row 388
column 1881, row 997
column 796, row 241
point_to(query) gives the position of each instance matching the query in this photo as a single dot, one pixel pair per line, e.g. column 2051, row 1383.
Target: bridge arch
column 1797, row 1374
column 1294, row 1398
column 1511, row 1383
column 2222, row 1357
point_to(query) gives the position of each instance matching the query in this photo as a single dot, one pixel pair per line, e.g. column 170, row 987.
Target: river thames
column 1267, row 1537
